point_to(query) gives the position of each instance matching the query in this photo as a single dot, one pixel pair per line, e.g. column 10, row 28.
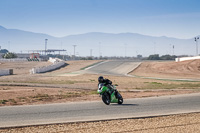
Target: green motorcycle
column 109, row 96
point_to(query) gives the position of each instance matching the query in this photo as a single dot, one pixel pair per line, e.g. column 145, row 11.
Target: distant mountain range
column 96, row 43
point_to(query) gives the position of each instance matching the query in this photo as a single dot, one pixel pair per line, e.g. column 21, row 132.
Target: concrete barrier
column 4, row 72
column 54, row 60
column 57, row 63
column 187, row 58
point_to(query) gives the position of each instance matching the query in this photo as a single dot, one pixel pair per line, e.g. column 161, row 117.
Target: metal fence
column 14, row 60
column 21, row 60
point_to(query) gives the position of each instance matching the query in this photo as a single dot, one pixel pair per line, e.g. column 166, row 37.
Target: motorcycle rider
column 108, row 83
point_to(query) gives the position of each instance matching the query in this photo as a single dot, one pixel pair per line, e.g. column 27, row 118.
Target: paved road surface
column 87, row 111
column 115, row 67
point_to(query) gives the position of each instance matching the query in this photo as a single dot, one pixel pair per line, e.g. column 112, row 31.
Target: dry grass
column 185, row 69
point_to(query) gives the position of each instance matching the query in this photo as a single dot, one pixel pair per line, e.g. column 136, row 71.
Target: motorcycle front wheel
column 106, row 98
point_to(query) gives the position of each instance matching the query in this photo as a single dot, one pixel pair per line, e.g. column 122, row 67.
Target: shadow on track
column 124, row 104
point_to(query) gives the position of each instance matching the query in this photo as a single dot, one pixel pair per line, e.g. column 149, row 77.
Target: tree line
column 163, row 57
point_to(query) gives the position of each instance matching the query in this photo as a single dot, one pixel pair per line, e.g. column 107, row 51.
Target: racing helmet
column 100, row 79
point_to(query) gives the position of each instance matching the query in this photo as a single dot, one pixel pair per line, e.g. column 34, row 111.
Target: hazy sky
column 172, row 18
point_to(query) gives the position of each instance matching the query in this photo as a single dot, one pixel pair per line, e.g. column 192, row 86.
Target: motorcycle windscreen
column 101, row 88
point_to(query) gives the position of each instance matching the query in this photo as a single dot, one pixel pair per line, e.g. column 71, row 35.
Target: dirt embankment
column 22, row 67
column 185, row 69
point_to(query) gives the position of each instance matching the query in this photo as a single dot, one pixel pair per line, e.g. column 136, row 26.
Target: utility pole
column 125, row 49
column 154, row 48
column 100, row 50
column 91, row 53
column 196, row 40
column 9, row 46
column 170, row 52
column 45, row 46
column 74, row 50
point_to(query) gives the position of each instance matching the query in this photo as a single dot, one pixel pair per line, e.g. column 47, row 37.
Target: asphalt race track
column 117, row 67
column 90, row 111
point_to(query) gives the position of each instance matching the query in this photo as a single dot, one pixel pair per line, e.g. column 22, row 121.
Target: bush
column 9, row 55
column 168, row 57
column 163, row 57
column 153, row 57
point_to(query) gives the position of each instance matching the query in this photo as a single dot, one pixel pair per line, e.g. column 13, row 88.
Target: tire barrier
column 34, row 59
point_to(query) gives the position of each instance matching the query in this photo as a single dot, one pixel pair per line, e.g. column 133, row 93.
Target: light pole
column 45, row 46
column 91, row 53
column 170, row 52
column 154, row 48
column 74, row 50
column 9, row 46
column 125, row 49
column 100, row 50
column 196, row 40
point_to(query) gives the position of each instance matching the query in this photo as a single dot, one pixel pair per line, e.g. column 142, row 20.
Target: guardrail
column 187, row 58
column 14, row 60
column 20, row 60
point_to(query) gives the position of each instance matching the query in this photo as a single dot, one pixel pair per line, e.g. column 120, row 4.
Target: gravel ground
column 185, row 69
column 182, row 123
